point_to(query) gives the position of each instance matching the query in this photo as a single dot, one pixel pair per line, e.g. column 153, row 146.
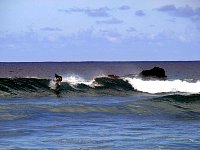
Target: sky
column 103, row 30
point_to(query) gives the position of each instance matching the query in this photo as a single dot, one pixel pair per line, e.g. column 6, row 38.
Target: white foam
column 75, row 79
column 158, row 86
column 52, row 85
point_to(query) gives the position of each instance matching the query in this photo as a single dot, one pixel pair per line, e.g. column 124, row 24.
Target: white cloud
column 110, row 21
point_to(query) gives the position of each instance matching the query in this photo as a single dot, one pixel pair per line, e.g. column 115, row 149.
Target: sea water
column 125, row 113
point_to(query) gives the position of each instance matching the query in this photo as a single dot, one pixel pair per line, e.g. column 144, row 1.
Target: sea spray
column 164, row 86
column 52, row 85
column 75, row 79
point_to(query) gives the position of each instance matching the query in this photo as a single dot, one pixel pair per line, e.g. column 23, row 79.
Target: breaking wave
column 102, row 85
column 165, row 86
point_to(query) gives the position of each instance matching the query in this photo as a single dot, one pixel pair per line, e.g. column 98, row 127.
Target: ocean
column 90, row 110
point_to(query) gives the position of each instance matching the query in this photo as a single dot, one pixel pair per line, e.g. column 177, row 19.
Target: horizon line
column 115, row 61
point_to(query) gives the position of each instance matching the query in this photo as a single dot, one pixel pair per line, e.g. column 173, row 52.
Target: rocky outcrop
column 113, row 76
column 156, row 72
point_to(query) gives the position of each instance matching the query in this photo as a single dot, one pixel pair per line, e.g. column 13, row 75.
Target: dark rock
column 156, row 72
column 113, row 76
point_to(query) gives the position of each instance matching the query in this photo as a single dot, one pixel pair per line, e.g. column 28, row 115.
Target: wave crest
column 164, row 86
column 100, row 85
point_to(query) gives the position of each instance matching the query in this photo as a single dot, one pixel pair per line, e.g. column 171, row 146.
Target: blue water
column 82, row 113
column 97, row 123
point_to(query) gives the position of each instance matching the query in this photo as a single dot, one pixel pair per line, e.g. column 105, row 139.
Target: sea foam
column 166, row 86
column 75, row 79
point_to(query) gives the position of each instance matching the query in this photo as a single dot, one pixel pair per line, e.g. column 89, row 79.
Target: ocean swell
column 101, row 85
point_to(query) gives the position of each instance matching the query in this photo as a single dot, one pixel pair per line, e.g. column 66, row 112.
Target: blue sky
column 104, row 30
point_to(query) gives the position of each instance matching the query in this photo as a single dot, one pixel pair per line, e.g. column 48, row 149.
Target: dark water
column 88, row 70
column 91, row 111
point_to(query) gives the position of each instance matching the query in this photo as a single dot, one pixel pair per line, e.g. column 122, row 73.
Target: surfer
column 58, row 79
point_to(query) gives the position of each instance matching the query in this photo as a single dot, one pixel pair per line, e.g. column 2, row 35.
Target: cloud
column 112, row 33
column 88, row 45
column 131, row 29
column 167, row 8
column 152, row 25
column 124, row 7
column 186, row 11
column 100, row 12
column 198, row 28
column 110, row 21
column 50, row 29
column 140, row 13
column 196, row 19
column 111, row 36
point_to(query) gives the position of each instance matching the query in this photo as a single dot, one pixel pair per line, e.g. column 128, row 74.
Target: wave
column 164, row 86
column 71, row 85
column 101, row 85
column 22, row 86
column 193, row 98
column 75, row 80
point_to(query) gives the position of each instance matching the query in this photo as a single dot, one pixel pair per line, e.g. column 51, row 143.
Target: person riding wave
column 58, row 79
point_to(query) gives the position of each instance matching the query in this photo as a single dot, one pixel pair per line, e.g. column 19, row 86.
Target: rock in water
column 113, row 76
column 156, row 72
